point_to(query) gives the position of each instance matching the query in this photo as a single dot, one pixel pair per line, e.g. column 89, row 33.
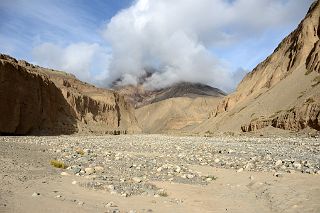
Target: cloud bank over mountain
column 207, row 41
column 176, row 37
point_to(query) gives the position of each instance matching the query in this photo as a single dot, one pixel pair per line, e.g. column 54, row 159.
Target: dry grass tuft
column 58, row 164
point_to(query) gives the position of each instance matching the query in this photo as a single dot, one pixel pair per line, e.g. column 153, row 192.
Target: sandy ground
column 25, row 170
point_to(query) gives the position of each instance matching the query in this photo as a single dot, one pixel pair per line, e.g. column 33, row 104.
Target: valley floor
column 155, row 173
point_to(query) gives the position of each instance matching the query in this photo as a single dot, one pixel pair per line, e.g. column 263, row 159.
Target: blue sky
column 27, row 23
column 99, row 41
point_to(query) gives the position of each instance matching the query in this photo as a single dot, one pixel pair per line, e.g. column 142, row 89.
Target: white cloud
column 89, row 62
column 176, row 36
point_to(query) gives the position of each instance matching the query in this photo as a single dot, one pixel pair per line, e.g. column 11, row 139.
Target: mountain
column 175, row 115
column 37, row 101
column 281, row 92
column 139, row 96
column 174, row 109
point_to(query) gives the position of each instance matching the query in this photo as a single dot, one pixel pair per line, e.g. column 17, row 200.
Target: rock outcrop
column 301, row 117
column 36, row 100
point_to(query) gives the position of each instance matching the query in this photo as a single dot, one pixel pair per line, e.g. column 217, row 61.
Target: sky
column 208, row 41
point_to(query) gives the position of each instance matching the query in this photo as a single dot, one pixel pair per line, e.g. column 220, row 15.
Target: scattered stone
column 64, row 173
column 240, row 170
column 297, row 165
column 137, row 179
column 278, row 163
column 190, row 176
column 278, row 174
column 111, row 205
column 74, row 182
column 142, row 160
column 98, row 169
column 76, row 170
column 35, row 194
column 89, row 170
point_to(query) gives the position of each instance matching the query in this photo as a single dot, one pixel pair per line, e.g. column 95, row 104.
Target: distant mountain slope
column 175, row 115
column 139, row 96
column 36, row 100
column 283, row 91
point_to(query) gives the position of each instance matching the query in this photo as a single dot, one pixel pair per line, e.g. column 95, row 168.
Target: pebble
column 190, row 176
column 64, row 173
column 89, row 170
column 111, row 204
column 98, row 169
column 35, row 194
column 75, row 170
column 240, row 170
column 278, row 163
column 297, row 165
column 278, row 174
column 74, row 182
column 137, row 179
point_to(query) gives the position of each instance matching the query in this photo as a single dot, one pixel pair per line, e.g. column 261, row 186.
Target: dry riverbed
column 154, row 173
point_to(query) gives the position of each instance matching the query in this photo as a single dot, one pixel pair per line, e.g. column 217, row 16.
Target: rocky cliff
column 36, row 100
column 300, row 47
column 278, row 91
column 296, row 118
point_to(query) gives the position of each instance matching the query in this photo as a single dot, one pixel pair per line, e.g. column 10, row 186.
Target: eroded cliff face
column 294, row 119
column 300, row 47
column 36, row 100
column 275, row 93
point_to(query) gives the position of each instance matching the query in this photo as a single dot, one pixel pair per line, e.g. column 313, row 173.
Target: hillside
column 140, row 96
column 174, row 109
column 175, row 115
column 282, row 92
column 36, row 101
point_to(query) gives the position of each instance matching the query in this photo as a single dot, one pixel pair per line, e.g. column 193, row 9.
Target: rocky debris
column 42, row 101
column 131, row 163
column 295, row 119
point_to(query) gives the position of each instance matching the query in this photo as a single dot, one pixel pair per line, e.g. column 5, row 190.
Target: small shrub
column 163, row 194
column 58, row 164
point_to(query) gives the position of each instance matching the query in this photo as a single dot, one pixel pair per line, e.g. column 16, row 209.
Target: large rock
column 36, row 100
